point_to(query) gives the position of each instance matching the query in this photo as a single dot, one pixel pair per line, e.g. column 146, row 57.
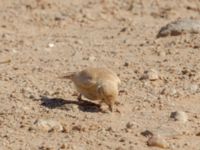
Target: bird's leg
column 157, row 4
column 100, row 103
column 79, row 97
column 141, row 3
column 111, row 108
column 110, row 105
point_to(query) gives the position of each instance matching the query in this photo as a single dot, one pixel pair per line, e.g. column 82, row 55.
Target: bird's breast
column 90, row 93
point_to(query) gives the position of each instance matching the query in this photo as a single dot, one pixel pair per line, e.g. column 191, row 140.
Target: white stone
column 157, row 141
column 48, row 125
column 194, row 88
column 180, row 26
column 179, row 116
column 91, row 58
column 153, row 75
column 50, row 45
column 14, row 51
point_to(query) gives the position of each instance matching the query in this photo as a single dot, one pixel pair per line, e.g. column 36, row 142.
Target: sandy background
column 42, row 39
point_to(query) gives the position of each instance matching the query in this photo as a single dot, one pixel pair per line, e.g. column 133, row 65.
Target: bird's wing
column 86, row 79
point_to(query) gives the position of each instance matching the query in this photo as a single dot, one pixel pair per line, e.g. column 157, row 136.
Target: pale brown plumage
column 96, row 84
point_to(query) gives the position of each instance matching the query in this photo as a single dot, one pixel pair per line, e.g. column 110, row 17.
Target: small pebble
column 14, row 51
column 119, row 148
column 179, row 27
column 169, row 91
column 80, row 42
column 122, row 140
column 179, row 116
column 153, row 75
column 162, row 54
column 147, row 133
column 50, row 45
column 157, row 141
column 123, row 29
column 126, row 64
column 63, row 146
column 198, row 134
column 66, row 129
column 79, row 128
column 91, row 58
column 48, row 125
column 5, row 61
column 110, row 129
column 193, row 88
column 129, row 125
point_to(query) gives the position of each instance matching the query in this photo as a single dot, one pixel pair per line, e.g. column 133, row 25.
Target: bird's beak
column 62, row 77
column 66, row 76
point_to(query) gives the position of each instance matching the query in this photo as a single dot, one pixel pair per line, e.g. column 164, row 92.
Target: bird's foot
column 79, row 97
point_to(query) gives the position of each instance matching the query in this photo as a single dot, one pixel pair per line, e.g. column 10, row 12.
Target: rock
column 7, row 61
column 162, row 54
column 93, row 127
column 71, row 107
column 123, row 29
column 45, row 148
column 151, row 74
column 192, row 88
column 75, row 108
column 179, row 27
column 110, row 129
column 198, row 134
column 62, row 146
column 66, row 129
column 147, row 133
column 80, row 42
column 157, row 141
column 79, row 128
column 130, row 125
column 50, row 45
column 179, row 116
column 171, row 91
column 122, row 140
column 14, row 51
column 126, row 64
column 48, row 125
column 119, row 148
column 91, row 58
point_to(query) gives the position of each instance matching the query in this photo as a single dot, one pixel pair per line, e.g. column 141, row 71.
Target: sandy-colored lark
column 96, row 84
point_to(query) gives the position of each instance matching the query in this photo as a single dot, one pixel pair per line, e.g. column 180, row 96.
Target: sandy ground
column 42, row 39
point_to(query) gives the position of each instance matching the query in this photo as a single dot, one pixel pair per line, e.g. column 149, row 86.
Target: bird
column 96, row 84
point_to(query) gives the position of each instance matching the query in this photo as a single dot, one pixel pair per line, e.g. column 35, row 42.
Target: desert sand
column 160, row 90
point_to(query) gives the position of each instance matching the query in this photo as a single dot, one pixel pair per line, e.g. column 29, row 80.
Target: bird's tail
column 68, row 75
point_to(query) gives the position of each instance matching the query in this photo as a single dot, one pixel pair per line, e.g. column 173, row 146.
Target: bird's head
column 108, row 91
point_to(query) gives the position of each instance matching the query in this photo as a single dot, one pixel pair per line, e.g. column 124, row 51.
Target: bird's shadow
column 83, row 105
